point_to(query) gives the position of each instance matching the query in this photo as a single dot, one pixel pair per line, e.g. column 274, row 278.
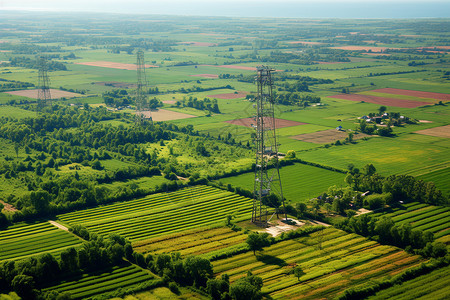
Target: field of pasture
column 300, row 182
column 163, row 213
column 331, row 261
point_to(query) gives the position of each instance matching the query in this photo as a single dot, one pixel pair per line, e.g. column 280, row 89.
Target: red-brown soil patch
column 117, row 84
column 169, row 101
column 55, row 94
column 306, row 43
column 198, row 44
column 279, row 123
column 229, row 95
column 113, row 65
column 205, row 75
column 5, row 51
column 326, row 136
column 419, row 94
column 363, row 48
column 381, row 100
column 166, row 115
column 442, row 131
column 8, row 207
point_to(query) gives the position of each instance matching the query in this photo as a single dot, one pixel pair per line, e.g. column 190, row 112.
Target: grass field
column 331, row 260
column 161, row 214
column 300, row 182
column 429, row 286
column 435, row 219
column 27, row 240
column 103, row 281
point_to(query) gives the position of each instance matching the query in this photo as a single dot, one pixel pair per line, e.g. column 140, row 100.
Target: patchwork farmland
column 423, row 217
column 28, row 240
column 103, row 281
column 330, row 259
column 163, row 213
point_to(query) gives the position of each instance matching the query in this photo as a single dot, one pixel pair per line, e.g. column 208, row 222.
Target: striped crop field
column 163, row 213
column 435, row 219
column 27, row 240
column 430, row 286
column 94, row 284
column 332, row 260
column 196, row 241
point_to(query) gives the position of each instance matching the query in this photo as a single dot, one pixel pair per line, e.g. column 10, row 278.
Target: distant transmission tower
column 44, row 97
column 141, row 89
column 267, row 185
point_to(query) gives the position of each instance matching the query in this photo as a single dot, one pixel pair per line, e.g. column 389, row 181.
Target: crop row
column 198, row 242
column 93, row 284
column 192, row 207
column 152, row 201
column 330, row 260
column 34, row 239
column 429, row 286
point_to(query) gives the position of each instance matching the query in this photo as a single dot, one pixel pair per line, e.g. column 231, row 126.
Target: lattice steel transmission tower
column 142, row 109
column 44, row 96
column 267, row 185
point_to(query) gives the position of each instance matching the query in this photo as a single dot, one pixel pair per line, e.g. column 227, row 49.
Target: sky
column 248, row 8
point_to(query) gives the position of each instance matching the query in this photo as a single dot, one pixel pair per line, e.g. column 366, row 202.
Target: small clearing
column 59, row 225
column 8, row 207
column 326, row 136
column 281, row 227
column 55, row 94
column 442, row 131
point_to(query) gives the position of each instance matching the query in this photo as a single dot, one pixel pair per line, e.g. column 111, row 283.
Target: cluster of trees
column 384, row 230
column 29, row 63
column 27, row 276
column 364, row 127
column 296, row 99
column 201, row 89
column 120, row 98
column 401, row 187
column 205, row 104
column 30, row 48
column 11, row 85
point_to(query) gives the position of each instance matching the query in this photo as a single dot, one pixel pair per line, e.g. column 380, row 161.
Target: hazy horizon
column 247, row 8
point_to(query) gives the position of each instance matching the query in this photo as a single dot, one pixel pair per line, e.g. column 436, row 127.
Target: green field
column 430, row 286
column 424, row 217
column 300, row 182
column 163, row 213
column 103, row 281
column 192, row 242
column 331, row 260
column 23, row 241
